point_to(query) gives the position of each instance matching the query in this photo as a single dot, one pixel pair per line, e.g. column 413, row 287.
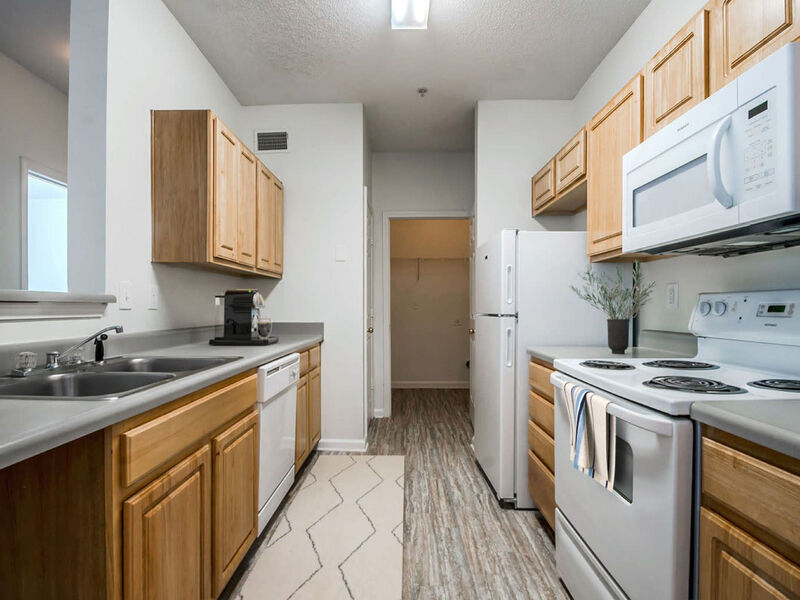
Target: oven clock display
column 775, row 310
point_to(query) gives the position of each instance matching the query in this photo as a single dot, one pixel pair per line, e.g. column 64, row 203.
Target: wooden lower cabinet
column 302, row 448
column 315, row 405
column 749, row 523
column 541, row 455
column 167, row 534
column 308, row 427
column 235, row 512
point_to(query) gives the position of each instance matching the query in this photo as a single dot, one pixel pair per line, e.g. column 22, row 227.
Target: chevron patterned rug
column 341, row 536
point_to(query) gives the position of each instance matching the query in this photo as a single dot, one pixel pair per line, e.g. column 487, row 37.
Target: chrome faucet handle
column 52, row 359
column 26, row 362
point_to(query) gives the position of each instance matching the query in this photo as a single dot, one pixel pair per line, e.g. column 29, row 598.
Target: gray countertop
column 29, row 427
column 771, row 423
column 551, row 353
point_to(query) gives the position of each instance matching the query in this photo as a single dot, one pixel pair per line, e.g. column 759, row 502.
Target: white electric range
column 635, row 541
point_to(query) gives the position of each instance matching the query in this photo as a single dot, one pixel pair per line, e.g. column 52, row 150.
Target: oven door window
column 623, row 470
column 675, row 193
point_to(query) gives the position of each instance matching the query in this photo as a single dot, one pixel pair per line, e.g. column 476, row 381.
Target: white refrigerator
column 522, row 298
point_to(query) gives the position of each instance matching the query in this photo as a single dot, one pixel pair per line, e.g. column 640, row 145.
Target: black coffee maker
column 243, row 322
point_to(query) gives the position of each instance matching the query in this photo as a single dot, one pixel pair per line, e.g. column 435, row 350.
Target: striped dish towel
column 593, row 432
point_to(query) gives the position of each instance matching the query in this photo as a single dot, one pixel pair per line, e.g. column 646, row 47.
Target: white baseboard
column 378, row 413
column 356, row 445
column 430, row 385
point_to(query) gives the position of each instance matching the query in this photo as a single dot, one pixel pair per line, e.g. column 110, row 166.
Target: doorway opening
column 429, row 303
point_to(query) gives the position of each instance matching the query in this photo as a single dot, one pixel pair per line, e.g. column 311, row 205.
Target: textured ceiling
column 35, row 33
column 279, row 51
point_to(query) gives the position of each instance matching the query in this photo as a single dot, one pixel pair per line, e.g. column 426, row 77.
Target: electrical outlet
column 672, row 296
column 152, row 303
column 125, row 298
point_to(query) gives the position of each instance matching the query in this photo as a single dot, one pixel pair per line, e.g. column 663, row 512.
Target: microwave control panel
column 759, row 146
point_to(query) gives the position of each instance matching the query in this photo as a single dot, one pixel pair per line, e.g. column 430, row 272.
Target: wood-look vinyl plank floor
column 459, row 542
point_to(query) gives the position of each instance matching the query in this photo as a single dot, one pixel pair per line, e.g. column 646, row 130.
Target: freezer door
column 493, row 395
column 495, row 275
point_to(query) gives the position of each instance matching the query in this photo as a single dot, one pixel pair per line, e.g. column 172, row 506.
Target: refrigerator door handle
column 509, row 348
column 509, row 284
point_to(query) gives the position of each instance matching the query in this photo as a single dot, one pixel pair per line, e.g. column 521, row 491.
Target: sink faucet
column 99, row 337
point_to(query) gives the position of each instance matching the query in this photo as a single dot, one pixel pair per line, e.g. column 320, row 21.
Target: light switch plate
column 152, row 303
column 125, row 298
column 672, row 296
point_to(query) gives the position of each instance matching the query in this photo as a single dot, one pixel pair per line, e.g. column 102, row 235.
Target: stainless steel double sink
column 110, row 379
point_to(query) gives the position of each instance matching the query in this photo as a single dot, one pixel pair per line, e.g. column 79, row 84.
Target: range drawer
column 539, row 377
column 542, row 445
column 154, row 443
column 541, row 411
column 759, row 491
column 542, row 485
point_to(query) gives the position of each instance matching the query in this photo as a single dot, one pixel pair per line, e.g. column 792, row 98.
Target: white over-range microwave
column 722, row 179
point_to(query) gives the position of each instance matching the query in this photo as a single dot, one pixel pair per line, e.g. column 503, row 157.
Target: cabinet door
column 246, row 210
column 314, row 406
column 277, row 199
column 744, row 32
column 543, row 187
column 226, row 185
column 571, row 162
column 265, row 219
column 235, row 520
column 301, row 447
column 612, row 132
column 736, row 566
column 676, row 79
column 167, row 534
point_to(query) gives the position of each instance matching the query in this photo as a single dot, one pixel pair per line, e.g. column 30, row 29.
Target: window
column 46, row 230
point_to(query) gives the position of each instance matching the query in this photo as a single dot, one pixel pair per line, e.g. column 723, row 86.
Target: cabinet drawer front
column 542, row 445
column 735, row 565
column 154, row 443
column 304, row 362
column 761, row 492
column 313, row 357
column 542, row 488
column 541, row 411
column 544, row 185
column 571, row 162
column 539, row 377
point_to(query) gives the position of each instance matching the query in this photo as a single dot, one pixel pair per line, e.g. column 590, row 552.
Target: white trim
column 430, row 385
column 378, row 413
column 356, row 446
column 386, row 284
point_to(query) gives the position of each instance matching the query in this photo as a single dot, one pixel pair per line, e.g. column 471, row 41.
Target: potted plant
column 617, row 300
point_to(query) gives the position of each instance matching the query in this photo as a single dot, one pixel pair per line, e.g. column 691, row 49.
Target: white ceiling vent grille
column 272, row 141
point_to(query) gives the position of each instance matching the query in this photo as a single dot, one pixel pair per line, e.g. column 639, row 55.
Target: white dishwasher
column 277, row 403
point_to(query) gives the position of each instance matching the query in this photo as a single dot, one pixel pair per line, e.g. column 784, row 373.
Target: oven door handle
column 657, row 426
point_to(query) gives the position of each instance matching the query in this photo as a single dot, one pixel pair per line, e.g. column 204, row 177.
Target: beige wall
column 430, row 303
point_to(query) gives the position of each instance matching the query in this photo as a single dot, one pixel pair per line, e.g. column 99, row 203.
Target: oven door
column 679, row 183
column 640, row 531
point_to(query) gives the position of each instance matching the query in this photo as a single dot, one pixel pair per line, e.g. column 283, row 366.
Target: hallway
column 458, row 542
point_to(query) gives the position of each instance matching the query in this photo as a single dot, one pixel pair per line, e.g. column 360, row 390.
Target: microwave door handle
column 653, row 425
column 721, row 195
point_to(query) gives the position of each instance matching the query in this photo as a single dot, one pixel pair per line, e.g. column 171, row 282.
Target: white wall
column 33, row 125
column 420, row 182
column 323, row 248
column 513, row 139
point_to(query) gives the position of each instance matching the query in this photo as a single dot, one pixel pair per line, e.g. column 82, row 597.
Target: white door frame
column 386, row 284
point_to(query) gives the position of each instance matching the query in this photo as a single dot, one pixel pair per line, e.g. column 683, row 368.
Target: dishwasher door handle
column 642, row 421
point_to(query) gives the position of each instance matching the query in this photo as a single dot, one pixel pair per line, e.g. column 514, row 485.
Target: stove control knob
column 705, row 308
column 720, row 308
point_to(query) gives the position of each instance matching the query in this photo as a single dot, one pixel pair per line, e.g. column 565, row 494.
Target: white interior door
column 369, row 308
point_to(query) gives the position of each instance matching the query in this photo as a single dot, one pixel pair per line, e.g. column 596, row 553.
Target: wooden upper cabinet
column 277, row 200
column 676, row 79
column 166, row 534
column 543, row 187
column 246, row 212
column 213, row 201
column 265, row 221
column 235, row 521
column 611, row 133
column 743, row 32
column 571, row 162
column 226, row 188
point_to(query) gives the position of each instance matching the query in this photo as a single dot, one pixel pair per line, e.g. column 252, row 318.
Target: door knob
column 472, row 332
column 371, row 330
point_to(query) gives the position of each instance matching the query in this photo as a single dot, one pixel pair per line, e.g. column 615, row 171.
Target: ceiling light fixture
column 410, row 14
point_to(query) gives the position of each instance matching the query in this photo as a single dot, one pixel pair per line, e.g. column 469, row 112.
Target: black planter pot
column 618, row 335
